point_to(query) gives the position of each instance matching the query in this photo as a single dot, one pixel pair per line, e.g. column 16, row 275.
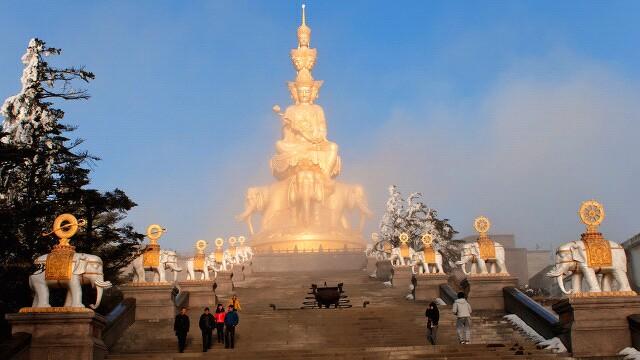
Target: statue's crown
column 303, row 29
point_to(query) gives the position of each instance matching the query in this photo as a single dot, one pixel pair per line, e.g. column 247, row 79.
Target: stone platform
column 153, row 300
column 201, row 293
column 428, row 286
column 309, row 261
column 224, row 282
column 486, row 291
column 596, row 326
column 402, row 276
column 62, row 336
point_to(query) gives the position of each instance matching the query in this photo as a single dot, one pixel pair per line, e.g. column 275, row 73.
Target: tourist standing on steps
column 231, row 319
column 433, row 316
column 219, row 316
column 181, row 327
column 235, row 303
column 462, row 311
column 207, row 323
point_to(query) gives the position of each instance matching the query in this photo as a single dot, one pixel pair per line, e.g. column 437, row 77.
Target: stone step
column 492, row 351
column 390, row 327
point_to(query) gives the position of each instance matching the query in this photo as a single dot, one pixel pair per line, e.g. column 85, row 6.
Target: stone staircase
column 389, row 327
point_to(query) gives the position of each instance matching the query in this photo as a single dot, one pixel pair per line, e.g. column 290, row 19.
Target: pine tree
column 413, row 217
column 43, row 174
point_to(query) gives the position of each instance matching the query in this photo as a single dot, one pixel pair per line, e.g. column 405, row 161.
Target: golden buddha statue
column 304, row 132
column 306, row 207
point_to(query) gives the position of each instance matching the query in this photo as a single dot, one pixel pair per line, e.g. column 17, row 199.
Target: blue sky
column 514, row 109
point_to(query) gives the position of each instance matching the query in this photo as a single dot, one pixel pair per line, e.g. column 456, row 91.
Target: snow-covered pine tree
column 415, row 218
column 43, row 174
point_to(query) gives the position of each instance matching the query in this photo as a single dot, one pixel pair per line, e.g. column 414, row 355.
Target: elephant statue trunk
column 464, row 259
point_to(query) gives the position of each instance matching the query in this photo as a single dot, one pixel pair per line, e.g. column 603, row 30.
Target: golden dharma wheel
column 591, row 213
column 404, row 237
column 201, row 245
column 65, row 226
column 427, row 239
column 232, row 241
column 219, row 242
column 482, row 224
column 241, row 239
column 154, row 232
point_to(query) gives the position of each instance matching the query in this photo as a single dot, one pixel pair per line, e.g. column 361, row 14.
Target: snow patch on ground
column 554, row 344
column 630, row 353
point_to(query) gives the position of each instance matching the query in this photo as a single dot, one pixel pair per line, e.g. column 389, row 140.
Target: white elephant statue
column 471, row 254
column 244, row 253
column 428, row 268
column 168, row 261
column 209, row 265
column 381, row 250
column 369, row 251
column 571, row 260
column 86, row 270
column 397, row 259
column 228, row 259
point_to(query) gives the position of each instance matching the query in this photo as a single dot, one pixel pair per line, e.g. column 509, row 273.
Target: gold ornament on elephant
column 219, row 254
column 429, row 251
column 404, row 245
column 597, row 247
column 487, row 247
column 59, row 263
column 198, row 259
column 592, row 214
column 151, row 254
column 482, row 225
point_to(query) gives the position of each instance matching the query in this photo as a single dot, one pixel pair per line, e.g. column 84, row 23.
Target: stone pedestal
column 486, row 291
column 383, row 270
column 153, row 301
column 428, row 286
column 371, row 264
column 62, row 336
column 201, row 293
column 248, row 268
column 402, row 276
column 224, row 282
column 596, row 326
column 238, row 273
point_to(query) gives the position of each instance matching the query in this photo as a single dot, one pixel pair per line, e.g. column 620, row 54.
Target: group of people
column 224, row 322
column 462, row 311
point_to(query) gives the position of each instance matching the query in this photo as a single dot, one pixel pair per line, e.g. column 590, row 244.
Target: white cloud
column 548, row 135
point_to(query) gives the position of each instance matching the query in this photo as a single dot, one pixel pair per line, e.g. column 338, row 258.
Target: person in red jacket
column 219, row 316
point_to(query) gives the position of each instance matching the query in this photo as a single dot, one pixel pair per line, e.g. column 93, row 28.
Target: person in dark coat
column 181, row 328
column 220, row 322
column 433, row 316
column 231, row 319
column 207, row 323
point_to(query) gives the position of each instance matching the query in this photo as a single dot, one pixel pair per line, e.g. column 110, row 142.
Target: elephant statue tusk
column 103, row 284
column 561, row 286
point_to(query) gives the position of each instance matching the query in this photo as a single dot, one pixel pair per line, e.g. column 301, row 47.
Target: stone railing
column 118, row 320
column 447, row 294
column 634, row 327
column 543, row 321
column 181, row 299
column 311, row 251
